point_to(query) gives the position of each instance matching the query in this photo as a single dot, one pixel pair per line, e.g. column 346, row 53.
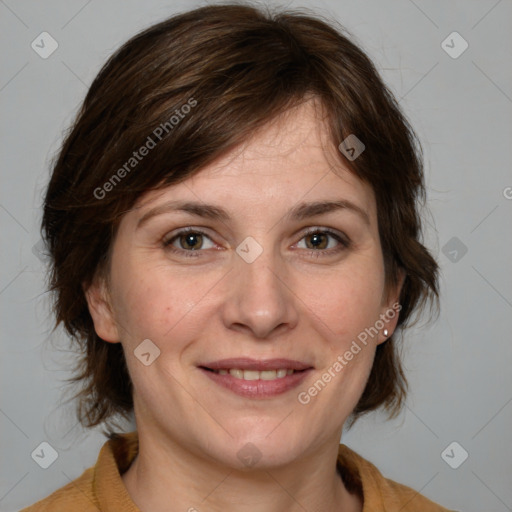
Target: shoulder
column 99, row 487
column 407, row 499
column 77, row 496
column 381, row 493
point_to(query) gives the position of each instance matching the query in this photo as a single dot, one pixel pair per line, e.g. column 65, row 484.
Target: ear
column 100, row 308
column 391, row 308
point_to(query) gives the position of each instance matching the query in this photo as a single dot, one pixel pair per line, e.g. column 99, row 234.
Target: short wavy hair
column 242, row 65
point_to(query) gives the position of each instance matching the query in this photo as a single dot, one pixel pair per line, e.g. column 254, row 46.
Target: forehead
column 290, row 159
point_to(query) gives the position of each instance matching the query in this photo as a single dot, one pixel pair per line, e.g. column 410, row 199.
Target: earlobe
column 100, row 309
column 389, row 316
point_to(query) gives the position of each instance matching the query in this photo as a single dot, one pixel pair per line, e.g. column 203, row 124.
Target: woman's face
column 264, row 273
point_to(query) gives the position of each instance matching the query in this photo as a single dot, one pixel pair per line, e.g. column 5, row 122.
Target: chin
column 256, row 449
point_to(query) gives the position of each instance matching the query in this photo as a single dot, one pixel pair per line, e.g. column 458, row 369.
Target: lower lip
column 258, row 388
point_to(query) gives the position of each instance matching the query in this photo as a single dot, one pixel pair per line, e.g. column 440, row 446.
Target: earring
column 386, row 332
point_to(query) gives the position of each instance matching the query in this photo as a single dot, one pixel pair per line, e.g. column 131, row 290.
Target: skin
column 290, row 302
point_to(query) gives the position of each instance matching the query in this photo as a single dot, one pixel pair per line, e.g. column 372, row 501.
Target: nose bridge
column 258, row 276
column 260, row 300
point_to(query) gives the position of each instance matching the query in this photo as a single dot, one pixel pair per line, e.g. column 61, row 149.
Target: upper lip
column 245, row 363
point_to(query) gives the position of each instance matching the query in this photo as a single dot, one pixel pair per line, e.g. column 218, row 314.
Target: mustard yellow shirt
column 100, row 488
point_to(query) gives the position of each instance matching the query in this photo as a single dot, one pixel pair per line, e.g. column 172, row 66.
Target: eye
column 188, row 240
column 323, row 242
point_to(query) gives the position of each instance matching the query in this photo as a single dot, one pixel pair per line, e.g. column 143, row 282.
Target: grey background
column 458, row 368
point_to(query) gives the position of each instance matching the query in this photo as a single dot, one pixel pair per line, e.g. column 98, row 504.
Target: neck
column 173, row 479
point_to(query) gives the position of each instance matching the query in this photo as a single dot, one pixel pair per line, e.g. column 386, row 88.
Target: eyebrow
column 300, row 212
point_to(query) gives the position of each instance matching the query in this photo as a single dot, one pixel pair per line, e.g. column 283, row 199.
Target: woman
column 235, row 238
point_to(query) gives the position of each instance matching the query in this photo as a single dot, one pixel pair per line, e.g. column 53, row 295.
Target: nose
column 260, row 302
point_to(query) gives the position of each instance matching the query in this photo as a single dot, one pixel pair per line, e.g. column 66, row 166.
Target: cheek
column 154, row 301
column 144, row 303
column 348, row 303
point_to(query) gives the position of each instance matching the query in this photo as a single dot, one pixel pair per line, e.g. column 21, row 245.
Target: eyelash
column 344, row 243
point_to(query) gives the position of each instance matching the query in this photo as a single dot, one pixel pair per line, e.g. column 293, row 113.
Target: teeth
column 239, row 374
column 249, row 374
column 255, row 375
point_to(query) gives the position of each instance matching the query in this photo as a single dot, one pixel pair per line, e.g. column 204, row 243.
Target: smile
column 256, row 384
column 256, row 375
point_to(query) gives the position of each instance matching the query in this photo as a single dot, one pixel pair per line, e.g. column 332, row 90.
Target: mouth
column 252, row 378
column 238, row 373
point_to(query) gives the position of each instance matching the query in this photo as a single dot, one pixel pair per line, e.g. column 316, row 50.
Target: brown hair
column 236, row 67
